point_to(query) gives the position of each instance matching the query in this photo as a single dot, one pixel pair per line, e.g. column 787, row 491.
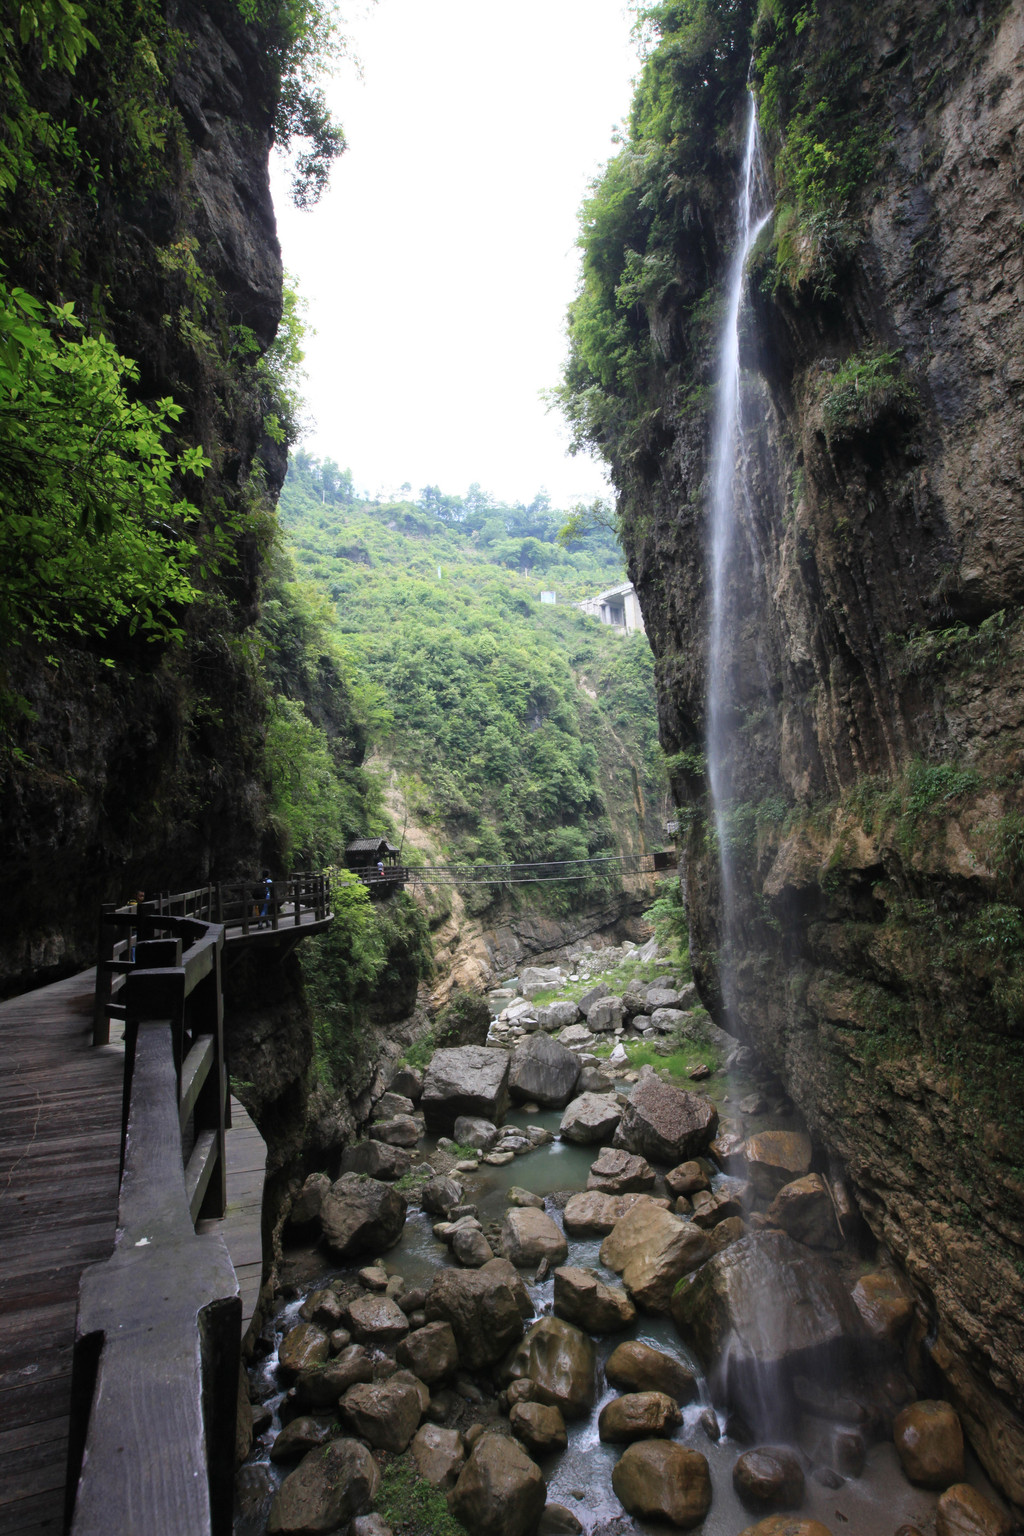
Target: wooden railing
column 155, row 1374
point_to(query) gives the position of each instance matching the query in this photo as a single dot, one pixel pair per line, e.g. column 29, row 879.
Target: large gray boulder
column 377, row 1159
column 561, row 1361
column 605, row 1015
column 473, row 1131
column 666, row 1124
column 500, row 1490
column 386, row 1413
column 557, row 1015
column 543, row 1071
column 539, row 978
column 593, row 1117
column 361, row 1215
column 662, row 1481
column 329, row 1486
column 483, row 1309
column 529, row 1235
column 467, row 1080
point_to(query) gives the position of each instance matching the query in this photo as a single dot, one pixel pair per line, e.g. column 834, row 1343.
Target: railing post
column 105, row 942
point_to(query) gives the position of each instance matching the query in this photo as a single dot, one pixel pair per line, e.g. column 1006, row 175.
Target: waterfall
column 723, row 517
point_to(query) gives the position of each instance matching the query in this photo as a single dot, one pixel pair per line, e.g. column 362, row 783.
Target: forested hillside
column 516, row 729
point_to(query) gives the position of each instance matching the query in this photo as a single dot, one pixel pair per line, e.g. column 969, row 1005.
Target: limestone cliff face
column 874, row 666
column 139, row 768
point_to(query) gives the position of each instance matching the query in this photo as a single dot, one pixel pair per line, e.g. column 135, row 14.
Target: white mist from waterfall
column 723, row 518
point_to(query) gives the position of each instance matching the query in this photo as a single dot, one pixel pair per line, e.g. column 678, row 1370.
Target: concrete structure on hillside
column 619, row 607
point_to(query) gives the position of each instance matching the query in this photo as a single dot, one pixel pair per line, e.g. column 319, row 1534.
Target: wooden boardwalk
column 60, row 1126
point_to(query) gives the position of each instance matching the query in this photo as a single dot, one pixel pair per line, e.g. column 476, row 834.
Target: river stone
column 301, row 1435
column 361, row 1215
column 667, row 1020
column 409, row 1082
column 465, row 1080
column 557, row 1015
column 328, row 1487
column 605, row 1016
column 593, row 1214
column 558, row 1521
column 665, row 1124
column 636, row 1367
column 429, row 1352
column 592, row 1117
column 439, row 1196
column 593, row 995
column 377, row 1320
column 539, row 978
column 660, row 1480
column 593, row 1080
column 390, row 1104
column 529, row 1235
column 616, row 1172
column 662, row 997
column 500, row 1490
column 561, row 1361
column 321, row 1386
column 774, row 1158
column 307, row 1203
column 470, row 1248
column 303, row 1346
column 507, row 1271
column 472, row 1131
column 777, row 1309
column 543, row 1071
column 402, row 1131
column 483, row 1311
column 885, row 1305
column 377, row 1159
column 540, row 1427
column 583, row 1298
column 576, row 1037
column 769, row 1476
column 519, row 1196
column 804, row 1209
column 930, row 1444
column 963, row 1511
column 786, row 1525
column 652, row 1249
column 439, row 1454
column 638, row 1416
column 687, row 1178
column 373, row 1278
column 323, row 1307
column 386, row 1413
column 712, row 1206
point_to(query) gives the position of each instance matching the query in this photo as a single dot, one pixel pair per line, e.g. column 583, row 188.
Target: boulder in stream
column 329, row 1486
column 307, row 1203
column 473, row 1131
column 963, row 1511
column 303, row 1346
column 661, row 1480
column 466, row 1080
column 665, row 1124
column 652, row 1249
column 540, row 1427
column 361, row 1215
column 638, row 1416
column 377, row 1159
column 804, row 1209
column 561, row 1361
column 593, row 1117
column 430, row 1352
column 616, row 1172
column 483, row 1310
column 529, row 1235
column 377, row 1320
column 543, row 1071
column 930, row 1443
column 583, row 1298
column 774, row 1158
column 593, row 1214
column 637, row 1367
column 386, row 1413
column 500, row 1490
column 769, row 1476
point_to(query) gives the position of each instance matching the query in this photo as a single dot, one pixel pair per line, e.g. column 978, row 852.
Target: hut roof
column 370, row 845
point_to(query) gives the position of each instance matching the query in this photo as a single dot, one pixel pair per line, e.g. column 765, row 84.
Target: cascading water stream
column 726, row 439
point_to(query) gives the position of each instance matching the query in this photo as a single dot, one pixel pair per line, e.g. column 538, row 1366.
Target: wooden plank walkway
column 60, row 1130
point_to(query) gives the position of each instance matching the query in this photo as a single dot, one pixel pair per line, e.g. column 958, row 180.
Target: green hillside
column 520, row 730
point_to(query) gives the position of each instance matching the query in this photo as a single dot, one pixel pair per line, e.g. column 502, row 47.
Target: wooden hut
column 364, row 857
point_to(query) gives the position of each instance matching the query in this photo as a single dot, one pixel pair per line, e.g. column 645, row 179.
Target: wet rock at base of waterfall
column 483, row 1310
column 525, row 1197
column 500, row 1490
column 557, row 1016
column 594, row 1214
column 307, row 1203
column 653, row 1249
column 325, row 1308
column 558, row 1521
column 593, row 995
column 764, row 1310
column 376, row 1159
column 465, row 1080
column 539, row 1426
column 775, row 1158
column 885, row 1304
column 498, row 1159
column 930, row 1444
column 373, row 1278
column 660, row 1480
column 303, row 1346
column 329, row 1486
column 407, row 1081
column 301, row 1435
column 729, row 1147
column 430, row 1352
column 616, row 1172
column 470, row 1247
column 386, row 1413
column 439, row 1196
column 377, row 1320
column 321, row 1386
column 769, row 1477
column 539, row 978
column 637, row 1367
column 728, row 1231
column 638, row 1416
column 834, row 1447
column 712, row 1206
column 665, row 1124
column 786, row 1525
column 606, row 1015
column 963, row 1511
column 402, row 1131
column 561, row 1361
column 593, row 1080
column 583, row 1298
column 439, row 1454
column 502, row 1268
column 361, row 1215
column 543, row 1070
column 529, row 1235
column 804, row 1209
column 593, row 1117
column 472, row 1131
column 688, row 1178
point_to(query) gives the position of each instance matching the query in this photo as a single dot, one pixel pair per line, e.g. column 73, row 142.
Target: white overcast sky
column 439, row 265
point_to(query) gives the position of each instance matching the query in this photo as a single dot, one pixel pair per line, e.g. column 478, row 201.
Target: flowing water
column 753, row 212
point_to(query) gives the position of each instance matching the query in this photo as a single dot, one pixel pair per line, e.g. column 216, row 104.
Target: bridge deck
column 60, row 1125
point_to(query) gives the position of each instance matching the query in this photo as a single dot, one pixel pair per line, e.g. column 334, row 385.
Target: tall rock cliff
column 874, row 625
